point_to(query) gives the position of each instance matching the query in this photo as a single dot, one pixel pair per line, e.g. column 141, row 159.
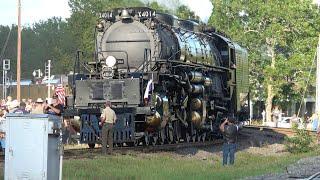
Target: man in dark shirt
column 53, row 107
column 21, row 109
column 230, row 132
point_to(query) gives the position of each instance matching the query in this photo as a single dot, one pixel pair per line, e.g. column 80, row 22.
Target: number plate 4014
column 146, row 14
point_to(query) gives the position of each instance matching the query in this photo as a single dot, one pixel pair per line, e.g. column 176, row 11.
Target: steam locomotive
column 169, row 80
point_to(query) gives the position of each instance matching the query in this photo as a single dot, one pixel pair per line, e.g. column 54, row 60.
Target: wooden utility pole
column 19, row 51
column 49, row 77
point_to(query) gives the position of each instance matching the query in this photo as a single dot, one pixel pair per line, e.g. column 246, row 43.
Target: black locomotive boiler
column 169, row 80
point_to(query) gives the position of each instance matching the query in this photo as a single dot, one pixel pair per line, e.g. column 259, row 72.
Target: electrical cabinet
column 33, row 147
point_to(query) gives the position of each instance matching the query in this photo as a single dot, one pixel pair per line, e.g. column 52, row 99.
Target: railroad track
column 91, row 153
column 88, row 153
column 247, row 131
column 279, row 131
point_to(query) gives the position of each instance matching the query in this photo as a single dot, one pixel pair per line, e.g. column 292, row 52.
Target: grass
column 168, row 166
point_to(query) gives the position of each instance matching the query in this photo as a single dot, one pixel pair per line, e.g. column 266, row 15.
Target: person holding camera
column 230, row 132
column 107, row 120
column 53, row 107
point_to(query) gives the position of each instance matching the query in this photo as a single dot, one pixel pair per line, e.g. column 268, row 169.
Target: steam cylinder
column 195, row 77
column 195, row 118
column 196, row 104
column 196, row 89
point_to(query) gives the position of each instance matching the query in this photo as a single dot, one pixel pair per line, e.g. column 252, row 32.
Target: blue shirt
column 20, row 111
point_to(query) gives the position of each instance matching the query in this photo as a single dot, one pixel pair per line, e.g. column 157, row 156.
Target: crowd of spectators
column 26, row 106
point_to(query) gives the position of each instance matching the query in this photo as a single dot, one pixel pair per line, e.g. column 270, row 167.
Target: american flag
column 59, row 91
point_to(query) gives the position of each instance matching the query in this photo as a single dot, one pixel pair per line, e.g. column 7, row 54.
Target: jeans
column 229, row 149
column 3, row 143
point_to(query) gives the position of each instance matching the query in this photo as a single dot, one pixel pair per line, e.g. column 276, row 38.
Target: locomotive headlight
column 111, row 61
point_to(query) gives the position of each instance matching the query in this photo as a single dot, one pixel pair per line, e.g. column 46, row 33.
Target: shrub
column 301, row 142
column 256, row 122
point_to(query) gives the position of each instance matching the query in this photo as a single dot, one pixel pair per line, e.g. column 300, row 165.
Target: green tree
column 158, row 7
column 50, row 39
column 174, row 7
column 281, row 38
column 184, row 12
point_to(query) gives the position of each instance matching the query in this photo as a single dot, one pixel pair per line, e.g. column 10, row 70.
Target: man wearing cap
column 230, row 132
column 38, row 109
column 108, row 118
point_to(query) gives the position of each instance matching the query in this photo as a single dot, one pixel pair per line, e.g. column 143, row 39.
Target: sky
column 36, row 10
column 202, row 8
column 32, row 10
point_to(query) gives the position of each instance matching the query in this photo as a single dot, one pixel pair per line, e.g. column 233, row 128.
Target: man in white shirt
column 107, row 120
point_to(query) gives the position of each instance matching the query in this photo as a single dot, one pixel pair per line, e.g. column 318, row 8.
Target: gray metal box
column 32, row 147
column 115, row 90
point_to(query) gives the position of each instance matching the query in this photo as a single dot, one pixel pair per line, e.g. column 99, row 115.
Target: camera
column 49, row 101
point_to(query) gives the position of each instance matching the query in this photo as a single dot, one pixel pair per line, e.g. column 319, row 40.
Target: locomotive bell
column 125, row 14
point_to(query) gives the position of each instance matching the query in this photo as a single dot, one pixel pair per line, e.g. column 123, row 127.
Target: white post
column 49, row 66
column 39, row 73
column 318, row 79
column 251, row 111
column 3, row 83
column 5, row 69
column 61, row 151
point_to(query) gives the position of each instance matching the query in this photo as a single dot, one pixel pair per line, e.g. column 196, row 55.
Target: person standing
column 107, row 120
column 9, row 100
column 230, row 132
column 53, row 107
column 38, row 108
column 318, row 135
column 263, row 113
column 2, row 129
column 276, row 115
column 21, row 109
column 29, row 105
column 314, row 121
